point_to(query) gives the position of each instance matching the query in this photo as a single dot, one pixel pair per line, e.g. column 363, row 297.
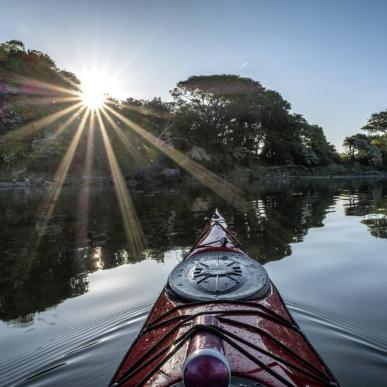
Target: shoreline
column 238, row 175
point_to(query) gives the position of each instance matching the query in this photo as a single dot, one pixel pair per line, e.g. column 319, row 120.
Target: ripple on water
column 355, row 351
column 100, row 309
column 77, row 355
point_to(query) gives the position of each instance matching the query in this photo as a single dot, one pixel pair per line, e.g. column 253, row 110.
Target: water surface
column 71, row 304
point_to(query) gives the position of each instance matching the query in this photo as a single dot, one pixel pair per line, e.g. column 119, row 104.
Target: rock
column 22, row 183
column 131, row 182
column 46, row 148
column 5, row 184
column 199, row 154
column 20, row 172
column 200, row 205
column 171, row 172
column 240, row 154
column 225, row 162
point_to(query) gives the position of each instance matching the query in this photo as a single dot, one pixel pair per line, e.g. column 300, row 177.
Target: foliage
column 16, row 61
column 224, row 112
column 370, row 149
column 25, row 76
column 360, row 149
column 381, row 143
column 377, row 225
column 377, row 124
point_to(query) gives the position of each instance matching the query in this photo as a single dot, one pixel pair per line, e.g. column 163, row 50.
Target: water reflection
column 377, row 225
column 370, row 202
column 275, row 218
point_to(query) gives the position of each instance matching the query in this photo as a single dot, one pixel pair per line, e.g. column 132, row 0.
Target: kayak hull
column 261, row 341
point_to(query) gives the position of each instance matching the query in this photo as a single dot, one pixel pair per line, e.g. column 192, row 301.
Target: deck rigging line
column 312, row 372
column 229, row 338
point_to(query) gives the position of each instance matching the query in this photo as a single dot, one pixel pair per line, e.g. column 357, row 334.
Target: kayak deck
column 261, row 341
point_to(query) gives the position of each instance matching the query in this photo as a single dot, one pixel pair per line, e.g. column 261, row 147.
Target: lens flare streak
column 32, row 85
column 138, row 158
column 52, row 197
column 84, row 197
column 24, row 100
column 33, row 127
column 131, row 222
column 61, row 173
column 62, row 127
column 221, row 187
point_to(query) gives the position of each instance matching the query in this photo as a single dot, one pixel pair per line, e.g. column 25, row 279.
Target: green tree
column 227, row 111
column 377, row 133
column 381, row 143
column 377, row 124
column 22, row 76
column 359, row 148
column 13, row 46
column 231, row 114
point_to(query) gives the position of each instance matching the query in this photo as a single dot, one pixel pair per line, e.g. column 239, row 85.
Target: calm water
column 70, row 309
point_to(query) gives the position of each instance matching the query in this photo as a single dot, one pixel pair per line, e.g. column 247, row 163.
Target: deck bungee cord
column 220, row 320
column 225, row 335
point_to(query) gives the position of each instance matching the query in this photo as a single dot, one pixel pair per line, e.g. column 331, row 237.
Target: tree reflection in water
column 274, row 218
column 370, row 202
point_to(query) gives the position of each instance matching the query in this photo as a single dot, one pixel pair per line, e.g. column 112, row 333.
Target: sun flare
column 93, row 98
column 96, row 86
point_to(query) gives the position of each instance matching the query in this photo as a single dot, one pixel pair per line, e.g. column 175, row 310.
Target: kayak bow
column 221, row 322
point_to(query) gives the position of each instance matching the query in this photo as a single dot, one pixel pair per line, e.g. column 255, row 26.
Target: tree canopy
column 28, row 79
column 360, row 149
column 370, row 148
column 17, row 62
column 224, row 112
column 377, row 124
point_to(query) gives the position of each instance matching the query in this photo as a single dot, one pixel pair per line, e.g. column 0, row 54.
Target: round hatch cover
column 219, row 276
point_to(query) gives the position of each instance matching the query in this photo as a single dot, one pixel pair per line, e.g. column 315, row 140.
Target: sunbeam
column 131, row 222
column 34, row 126
column 28, row 100
column 221, row 187
column 52, row 196
column 84, row 197
column 61, row 128
column 138, row 158
column 61, row 172
column 29, row 85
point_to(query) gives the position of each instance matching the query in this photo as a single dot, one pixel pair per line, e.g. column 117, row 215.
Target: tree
column 13, row 45
column 228, row 114
column 360, row 149
column 23, row 75
column 377, row 124
column 222, row 112
column 381, row 143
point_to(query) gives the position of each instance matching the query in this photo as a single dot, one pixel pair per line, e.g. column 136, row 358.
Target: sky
column 327, row 58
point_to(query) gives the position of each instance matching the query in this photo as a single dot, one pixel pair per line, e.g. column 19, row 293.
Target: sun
column 93, row 99
column 96, row 86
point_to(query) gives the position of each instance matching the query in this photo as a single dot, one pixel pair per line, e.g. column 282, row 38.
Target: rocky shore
column 24, row 179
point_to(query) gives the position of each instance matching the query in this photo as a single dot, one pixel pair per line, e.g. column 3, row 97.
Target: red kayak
column 221, row 322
